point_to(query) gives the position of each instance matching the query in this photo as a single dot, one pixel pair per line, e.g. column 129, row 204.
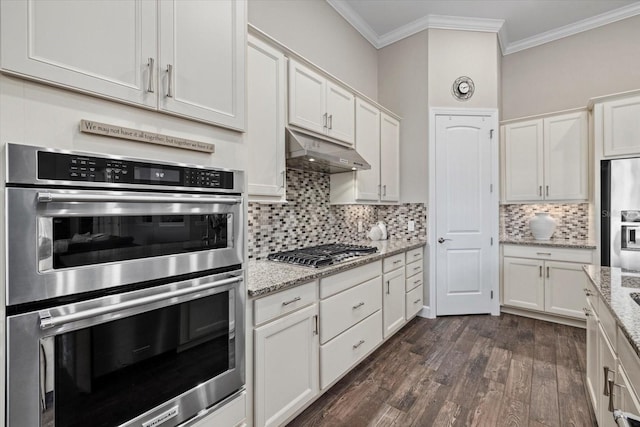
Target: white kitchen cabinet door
column 607, row 357
column 621, row 127
column 524, row 162
column 593, row 362
column 368, row 145
column 523, row 283
column 628, row 399
column 75, row 44
column 266, row 79
column 393, row 301
column 307, row 98
column 286, row 366
column 201, row 61
column 566, row 157
column 564, row 284
column 341, row 113
column 389, row 158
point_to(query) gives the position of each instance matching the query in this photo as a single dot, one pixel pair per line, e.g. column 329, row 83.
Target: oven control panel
column 70, row 167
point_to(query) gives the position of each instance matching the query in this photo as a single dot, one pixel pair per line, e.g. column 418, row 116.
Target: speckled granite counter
column 614, row 287
column 553, row 243
column 269, row 276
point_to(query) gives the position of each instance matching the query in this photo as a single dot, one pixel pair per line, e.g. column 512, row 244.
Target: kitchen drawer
column 414, row 255
column 413, row 268
column 629, row 359
column 413, row 302
column 583, row 256
column 392, row 262
column 340, row 354
column 232, row 413
column 340, row 312
column 347, row 279
column 608, row 323
column 272, row 306
column 413, row 282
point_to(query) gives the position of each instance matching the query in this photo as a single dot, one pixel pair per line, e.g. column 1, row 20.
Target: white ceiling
column 520, row 24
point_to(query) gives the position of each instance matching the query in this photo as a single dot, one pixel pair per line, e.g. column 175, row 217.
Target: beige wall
column 565, row 73
column 316, row 31
column 463, row 53
column 402, row 88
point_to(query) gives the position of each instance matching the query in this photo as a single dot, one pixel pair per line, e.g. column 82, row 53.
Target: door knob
column 441, row 240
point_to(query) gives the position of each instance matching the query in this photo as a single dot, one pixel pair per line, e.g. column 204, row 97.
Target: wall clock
column 463, row 88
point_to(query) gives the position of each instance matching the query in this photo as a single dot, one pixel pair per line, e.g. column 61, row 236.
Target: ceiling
column 520, row 24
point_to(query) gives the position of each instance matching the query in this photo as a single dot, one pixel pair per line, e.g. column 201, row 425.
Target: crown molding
column 572, row 29
column 478, row 24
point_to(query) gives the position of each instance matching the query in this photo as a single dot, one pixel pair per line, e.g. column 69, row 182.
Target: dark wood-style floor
column 466, row 371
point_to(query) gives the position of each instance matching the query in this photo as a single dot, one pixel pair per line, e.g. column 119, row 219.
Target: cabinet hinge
column 491, row 294
column 491, row 134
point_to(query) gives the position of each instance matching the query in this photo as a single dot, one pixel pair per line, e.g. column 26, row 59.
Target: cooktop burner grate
column 323, row 255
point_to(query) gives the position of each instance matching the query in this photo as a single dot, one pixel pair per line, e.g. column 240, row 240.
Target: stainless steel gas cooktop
column 323, row 255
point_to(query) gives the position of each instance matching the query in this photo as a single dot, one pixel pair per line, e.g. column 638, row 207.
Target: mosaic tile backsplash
column 573, row 220
column 308, row 219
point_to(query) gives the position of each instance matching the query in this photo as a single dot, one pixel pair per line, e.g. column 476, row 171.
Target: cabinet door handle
column 540, row 191
column 388, row 285
column 540, row 267
column 315, row 325
column 324, row 120
column 360, row 304
column 384, row 190
column 547, row 272
column 359, row 344
column 417, row 301
column 151, row 65
column 170, row 81
column 291, row 301
column 607, row 371
column 379, row 190
column 543, row 253
column 547, row 190
column 330, row 121
column 283, row 176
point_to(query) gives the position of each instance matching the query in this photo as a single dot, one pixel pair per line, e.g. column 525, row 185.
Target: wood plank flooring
column 464, row 371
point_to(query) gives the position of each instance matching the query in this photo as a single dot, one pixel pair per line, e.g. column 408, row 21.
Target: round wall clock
column 463, row 88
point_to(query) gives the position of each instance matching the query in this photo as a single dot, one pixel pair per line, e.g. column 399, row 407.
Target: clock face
column 463, row 88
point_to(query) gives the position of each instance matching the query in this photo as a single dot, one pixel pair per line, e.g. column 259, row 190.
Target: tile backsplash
column 572, row 219
column 308, row 219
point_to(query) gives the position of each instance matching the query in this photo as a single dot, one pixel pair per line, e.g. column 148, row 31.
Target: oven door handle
column 48, row 321
column 45, row 197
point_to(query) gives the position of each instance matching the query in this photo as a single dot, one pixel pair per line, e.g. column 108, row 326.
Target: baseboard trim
column 426, row 313
column 545, row 316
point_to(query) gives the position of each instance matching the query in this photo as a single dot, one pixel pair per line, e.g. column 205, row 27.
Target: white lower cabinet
column 413, row 283
column 593, row 360
column 286, row 365
column 608, row 363
column 393, row 300
column 546, row 280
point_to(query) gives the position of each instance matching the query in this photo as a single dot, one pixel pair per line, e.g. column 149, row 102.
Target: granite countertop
column 615, row 286
column 264, row 277
column 554, row 243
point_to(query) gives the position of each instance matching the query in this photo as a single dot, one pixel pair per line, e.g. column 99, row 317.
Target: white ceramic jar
column 542, row 226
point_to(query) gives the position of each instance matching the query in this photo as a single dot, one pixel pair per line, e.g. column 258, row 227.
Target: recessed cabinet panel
column 39, row 39
column 341, row 113
column 266, row 90
column 564, row 284
column 307, row 98
column 368, row 145
column 523, row 161
column 523, row 283
column 389, row 158
column 593, row 364
column 621, row 127
column 393, row 301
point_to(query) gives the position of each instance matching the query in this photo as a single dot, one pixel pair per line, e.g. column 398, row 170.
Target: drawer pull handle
column 587, row 292
column 397, row 261
column 296, row 299
column 607, row 371
column 416, row 268
column 416, row 255
column 359, row 344
column 543, row 253
column 417, row 301
column 360, row 304
column 415, row 282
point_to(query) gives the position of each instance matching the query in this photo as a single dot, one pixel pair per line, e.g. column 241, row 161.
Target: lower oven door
column 144, row 358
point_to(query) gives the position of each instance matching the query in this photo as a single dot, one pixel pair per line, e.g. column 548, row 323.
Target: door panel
column 368, row 145
column 523, row 152
column 340, row 107
column 523, row 283
column 565, row 281
column 389, row 158
column 463, row 214
column 307, row 98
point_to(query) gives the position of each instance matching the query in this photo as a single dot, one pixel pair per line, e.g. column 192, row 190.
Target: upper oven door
column 63, row 242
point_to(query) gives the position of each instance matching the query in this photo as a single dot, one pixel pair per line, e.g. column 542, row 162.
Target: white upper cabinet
column 183, row 57
column 266, row 80
column 546, row 159
column 319, row 105
column 76, row 44
column 389, row 158
column 368, row 145
column 620, row 126
column 201, row 60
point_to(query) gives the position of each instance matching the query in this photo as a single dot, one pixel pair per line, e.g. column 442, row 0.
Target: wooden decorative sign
column 88, row 126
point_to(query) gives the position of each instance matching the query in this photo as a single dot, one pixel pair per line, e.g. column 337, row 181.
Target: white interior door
column 464, row 209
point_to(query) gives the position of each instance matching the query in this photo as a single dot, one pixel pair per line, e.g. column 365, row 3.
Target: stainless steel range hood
column 312, row 153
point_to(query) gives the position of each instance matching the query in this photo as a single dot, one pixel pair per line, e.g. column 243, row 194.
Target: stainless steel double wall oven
column 125, row 292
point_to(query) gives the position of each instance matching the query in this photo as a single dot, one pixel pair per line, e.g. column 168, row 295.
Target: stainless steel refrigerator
column 620, row 216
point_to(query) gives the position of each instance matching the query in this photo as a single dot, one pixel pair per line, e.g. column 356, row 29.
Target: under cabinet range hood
column 307, row 152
